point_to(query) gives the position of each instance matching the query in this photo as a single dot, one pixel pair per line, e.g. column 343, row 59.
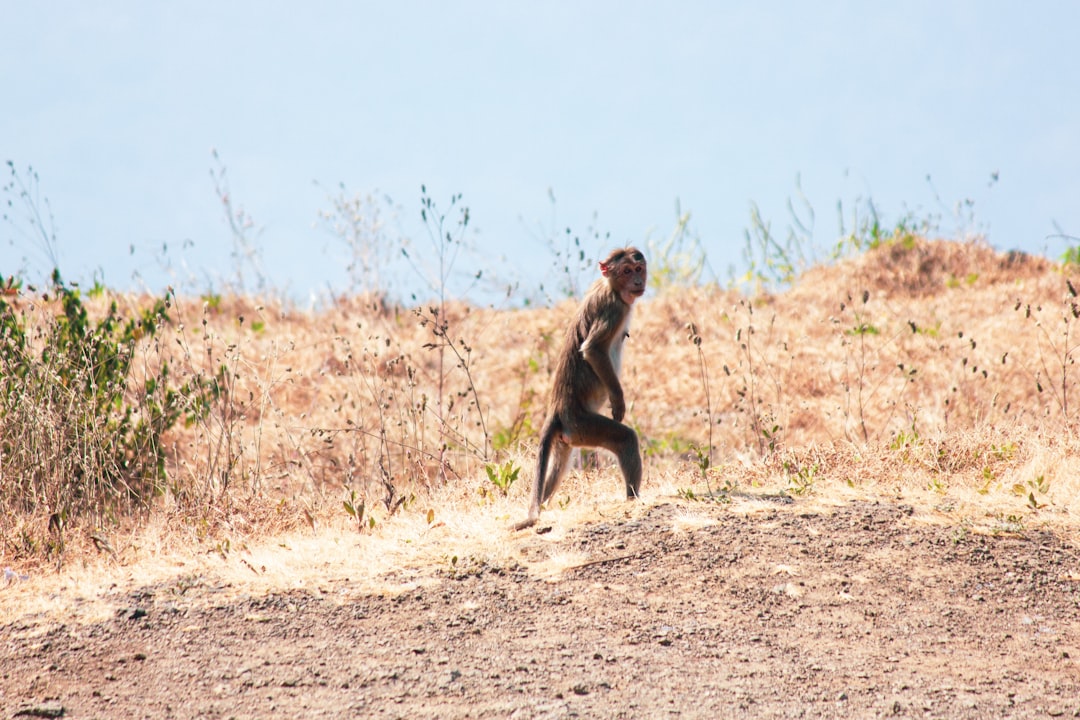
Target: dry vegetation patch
column 361, row 435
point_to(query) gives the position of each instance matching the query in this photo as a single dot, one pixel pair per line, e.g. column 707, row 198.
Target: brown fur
column 586, row 374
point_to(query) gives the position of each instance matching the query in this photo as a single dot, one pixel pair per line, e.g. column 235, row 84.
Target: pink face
column 627, row 276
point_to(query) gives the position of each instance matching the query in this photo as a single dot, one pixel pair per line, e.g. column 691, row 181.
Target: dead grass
column 934, row 373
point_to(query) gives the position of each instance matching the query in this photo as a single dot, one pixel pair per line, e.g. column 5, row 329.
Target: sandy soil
column 687, row 610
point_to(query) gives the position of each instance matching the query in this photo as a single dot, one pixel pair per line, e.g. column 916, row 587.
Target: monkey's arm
column 597, row 352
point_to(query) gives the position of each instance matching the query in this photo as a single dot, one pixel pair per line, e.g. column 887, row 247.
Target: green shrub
column 83, row 406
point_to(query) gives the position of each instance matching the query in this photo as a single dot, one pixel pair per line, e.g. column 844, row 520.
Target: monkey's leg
column 558, row 467
column 602, row 431
column 551, row 465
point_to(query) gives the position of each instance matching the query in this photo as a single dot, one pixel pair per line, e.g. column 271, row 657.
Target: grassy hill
column 935, row 370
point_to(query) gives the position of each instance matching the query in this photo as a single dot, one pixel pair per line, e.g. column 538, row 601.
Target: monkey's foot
column 525, row 524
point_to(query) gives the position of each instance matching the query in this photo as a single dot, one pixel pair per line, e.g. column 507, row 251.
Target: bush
column 81, row 421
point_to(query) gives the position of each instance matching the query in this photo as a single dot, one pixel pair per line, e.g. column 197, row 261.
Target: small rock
column 45, row 710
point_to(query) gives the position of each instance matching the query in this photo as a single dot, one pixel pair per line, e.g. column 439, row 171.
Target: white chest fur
column 616, row 349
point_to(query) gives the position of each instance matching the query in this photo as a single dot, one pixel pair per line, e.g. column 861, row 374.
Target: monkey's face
column 627, row 275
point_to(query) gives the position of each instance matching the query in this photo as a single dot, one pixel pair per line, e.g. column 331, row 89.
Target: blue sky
column 619, row 108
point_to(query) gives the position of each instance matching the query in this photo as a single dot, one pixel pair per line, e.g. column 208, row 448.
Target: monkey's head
column 626, row 273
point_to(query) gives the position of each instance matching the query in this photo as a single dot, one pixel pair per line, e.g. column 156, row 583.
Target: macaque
column 587, row 374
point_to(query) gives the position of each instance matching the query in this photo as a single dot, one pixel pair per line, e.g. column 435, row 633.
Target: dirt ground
column 861, row 610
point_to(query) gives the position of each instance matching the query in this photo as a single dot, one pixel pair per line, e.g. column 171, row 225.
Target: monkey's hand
column 618, row 406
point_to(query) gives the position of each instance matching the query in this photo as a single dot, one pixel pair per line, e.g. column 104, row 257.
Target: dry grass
column 937, row 373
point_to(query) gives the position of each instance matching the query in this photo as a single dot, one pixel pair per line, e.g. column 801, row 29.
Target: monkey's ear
column 605, row 269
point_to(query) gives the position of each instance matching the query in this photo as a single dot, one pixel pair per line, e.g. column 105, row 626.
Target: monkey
column 587, row 373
